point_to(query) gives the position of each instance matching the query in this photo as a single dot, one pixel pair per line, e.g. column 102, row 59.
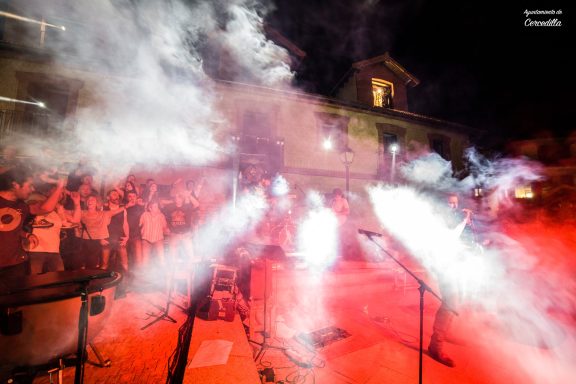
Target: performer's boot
column 435, row 350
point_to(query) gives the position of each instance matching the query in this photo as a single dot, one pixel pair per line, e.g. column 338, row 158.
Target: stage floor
column 367, row 300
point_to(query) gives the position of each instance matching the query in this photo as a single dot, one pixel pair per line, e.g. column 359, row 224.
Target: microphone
column 369, row 233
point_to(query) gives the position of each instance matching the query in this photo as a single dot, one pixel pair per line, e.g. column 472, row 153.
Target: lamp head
column 347, row 156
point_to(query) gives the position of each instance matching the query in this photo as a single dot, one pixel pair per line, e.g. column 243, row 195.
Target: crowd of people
column 52, row 222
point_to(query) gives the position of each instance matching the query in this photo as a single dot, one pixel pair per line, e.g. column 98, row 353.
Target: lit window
column 327, row 144
column 333, row 130
column 390, row 140
column 390, row 137
column 524, row 192
column 383, row 93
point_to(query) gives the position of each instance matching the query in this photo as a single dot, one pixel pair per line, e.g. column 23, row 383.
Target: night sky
column 477, row 62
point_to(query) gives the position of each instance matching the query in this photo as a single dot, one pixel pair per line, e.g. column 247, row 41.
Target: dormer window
column 383, row 93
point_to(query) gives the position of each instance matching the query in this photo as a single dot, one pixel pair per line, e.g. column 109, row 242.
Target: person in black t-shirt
column 15, row 188
column 134, row 209
column 179, row 216
column 118, row 231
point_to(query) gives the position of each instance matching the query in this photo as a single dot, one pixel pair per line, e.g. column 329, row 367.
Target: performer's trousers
column 444, row 315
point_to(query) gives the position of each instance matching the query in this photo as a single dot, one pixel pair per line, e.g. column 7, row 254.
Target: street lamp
column 394, row 148
column 347, row 157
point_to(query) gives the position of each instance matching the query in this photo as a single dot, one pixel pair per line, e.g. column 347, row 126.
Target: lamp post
column 347, row 157
column 394, row 148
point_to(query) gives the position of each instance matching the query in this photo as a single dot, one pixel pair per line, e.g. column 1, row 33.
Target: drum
column 39, row 314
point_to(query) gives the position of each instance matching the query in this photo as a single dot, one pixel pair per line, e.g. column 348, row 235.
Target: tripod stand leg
column 164, row 314
column 161, row 316
column 102, row 363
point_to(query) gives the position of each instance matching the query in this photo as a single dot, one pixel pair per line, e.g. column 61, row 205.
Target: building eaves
column 391, row 64
column 407, row 116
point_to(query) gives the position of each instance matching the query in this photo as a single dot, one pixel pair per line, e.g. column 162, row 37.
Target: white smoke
column 317, row 236
column 515, row 283
column 229, row 225
column 502, row 175
column 429, row 170
column 145, row 95
column 255, row 54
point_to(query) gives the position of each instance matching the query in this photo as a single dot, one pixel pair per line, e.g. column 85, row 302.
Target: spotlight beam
column 29, row 20
column 37, row 103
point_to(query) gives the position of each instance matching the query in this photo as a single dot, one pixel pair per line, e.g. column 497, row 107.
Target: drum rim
column 30, row 295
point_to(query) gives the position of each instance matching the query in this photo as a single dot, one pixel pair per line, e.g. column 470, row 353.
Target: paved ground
column 365, row 300
column 382, row 320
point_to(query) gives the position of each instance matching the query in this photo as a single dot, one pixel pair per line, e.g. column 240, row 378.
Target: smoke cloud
column 514, row 274
column 231, row 223
column 318, row 233
column 146, row 96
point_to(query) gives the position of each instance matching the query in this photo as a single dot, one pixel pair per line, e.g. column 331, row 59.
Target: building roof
column 392, row 65
column 283, row 41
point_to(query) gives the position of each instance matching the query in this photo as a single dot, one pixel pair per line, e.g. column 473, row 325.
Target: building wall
column 292, row 117
column 12, row 69
column 348, row 91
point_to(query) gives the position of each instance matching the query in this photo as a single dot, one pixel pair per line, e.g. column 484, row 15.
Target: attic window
column 383, row 92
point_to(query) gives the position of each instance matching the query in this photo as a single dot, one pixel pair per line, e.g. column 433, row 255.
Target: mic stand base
column 263, row 347
column 158, row 317
column 163, row 314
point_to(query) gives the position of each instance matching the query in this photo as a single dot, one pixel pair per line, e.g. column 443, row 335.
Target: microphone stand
column 264, row 345
column 422, row 288
column 164, row 311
